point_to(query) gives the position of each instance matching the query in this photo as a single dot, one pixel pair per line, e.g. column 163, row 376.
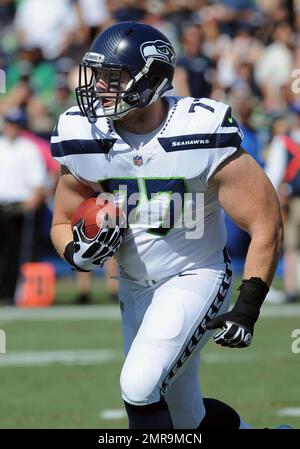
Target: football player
column 173, row 164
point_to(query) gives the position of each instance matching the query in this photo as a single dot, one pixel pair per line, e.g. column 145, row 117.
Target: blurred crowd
column 243, row 52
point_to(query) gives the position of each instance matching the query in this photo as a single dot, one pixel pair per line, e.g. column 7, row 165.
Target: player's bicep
column 246, row 193
column 69, row 194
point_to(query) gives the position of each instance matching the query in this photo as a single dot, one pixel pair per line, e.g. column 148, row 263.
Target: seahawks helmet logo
column 158, row 50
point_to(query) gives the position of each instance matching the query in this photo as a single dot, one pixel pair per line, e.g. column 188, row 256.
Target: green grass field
column 62, row 367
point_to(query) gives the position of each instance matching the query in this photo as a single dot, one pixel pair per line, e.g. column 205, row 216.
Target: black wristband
column 252, row 294
column 68, row 255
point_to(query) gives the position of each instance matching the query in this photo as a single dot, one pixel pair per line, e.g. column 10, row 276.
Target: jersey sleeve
column 227, row 139
column 63, row 147
column 56, row 143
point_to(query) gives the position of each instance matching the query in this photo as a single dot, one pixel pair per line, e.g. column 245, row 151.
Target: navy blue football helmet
column 139, row 50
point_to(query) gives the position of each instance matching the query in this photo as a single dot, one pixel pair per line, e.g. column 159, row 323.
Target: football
column 97, row 212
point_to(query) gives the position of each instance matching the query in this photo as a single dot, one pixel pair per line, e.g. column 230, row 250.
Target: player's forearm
column 263, row 255
column 61, row 235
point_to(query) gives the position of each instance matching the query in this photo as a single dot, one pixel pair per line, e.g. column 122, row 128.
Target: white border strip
column 61, row 313
column 291, row 412
column 65, row 357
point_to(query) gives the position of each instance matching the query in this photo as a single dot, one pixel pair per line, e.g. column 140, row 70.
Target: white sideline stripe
column 228, row 358
column 112, row 312
column 290, row 411
column 236, row 356
column 11, row 313
column 66, row 357
column 113, row 414
column 280, row 311
column 92, row 357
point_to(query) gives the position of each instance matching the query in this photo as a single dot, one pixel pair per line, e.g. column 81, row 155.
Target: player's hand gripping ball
column 98, row 229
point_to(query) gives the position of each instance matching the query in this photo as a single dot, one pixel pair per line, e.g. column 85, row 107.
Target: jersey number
column 197, row 103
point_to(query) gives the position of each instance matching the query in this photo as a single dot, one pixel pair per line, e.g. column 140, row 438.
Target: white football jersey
column 175, row 220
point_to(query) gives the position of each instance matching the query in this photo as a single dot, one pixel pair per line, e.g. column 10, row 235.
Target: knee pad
column 147, row 360
column 140, row 380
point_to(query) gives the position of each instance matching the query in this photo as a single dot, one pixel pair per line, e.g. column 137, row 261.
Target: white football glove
column 232, row 334
column 87, row 254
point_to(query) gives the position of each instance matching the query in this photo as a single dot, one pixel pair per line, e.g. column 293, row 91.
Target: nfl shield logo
column 138, row 161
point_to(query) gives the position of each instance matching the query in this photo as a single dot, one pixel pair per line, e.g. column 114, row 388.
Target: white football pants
column 163, row 335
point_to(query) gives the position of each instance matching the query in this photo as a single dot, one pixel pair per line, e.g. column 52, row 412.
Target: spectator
column 29, row 65
column 62, row 97
column 195, row 72
column 52, row 167
column 48, row 24
column 154, row 16
column 94, row 15
column 22, row 181
column 243, row 49
column 214, row 42
column 123, row 10
column 179, row 12
column 269, row 73
column 7, row 12
column 283, row 169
